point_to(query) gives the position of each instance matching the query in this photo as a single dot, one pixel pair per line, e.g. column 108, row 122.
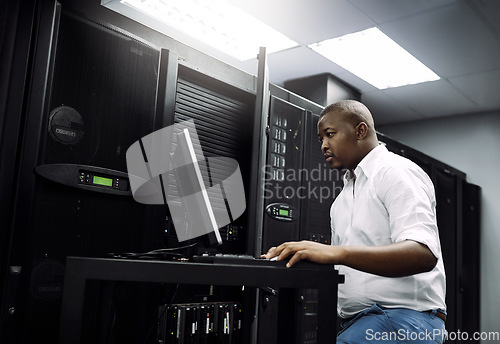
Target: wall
column 470, row 143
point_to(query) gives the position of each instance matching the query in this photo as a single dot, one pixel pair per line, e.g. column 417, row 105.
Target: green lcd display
column 284, row 212
column 103, row 181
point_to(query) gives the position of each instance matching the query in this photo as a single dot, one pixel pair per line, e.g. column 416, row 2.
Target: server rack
column 33, row 106
column 456, row 207
column 471, row 276
column 91, row 93
column 15, row 42
column 298, row 191
column 222, row 114
column 93, row 89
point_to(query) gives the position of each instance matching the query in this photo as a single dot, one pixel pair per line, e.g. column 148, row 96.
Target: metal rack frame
column 79, row 270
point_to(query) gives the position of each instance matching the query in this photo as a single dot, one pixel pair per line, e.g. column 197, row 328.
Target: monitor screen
column 202, row 193
column 195, row 217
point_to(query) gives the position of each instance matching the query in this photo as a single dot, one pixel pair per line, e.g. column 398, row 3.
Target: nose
column 324, row 146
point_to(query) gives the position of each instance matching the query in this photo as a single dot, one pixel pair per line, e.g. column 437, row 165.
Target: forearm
column 395, row 260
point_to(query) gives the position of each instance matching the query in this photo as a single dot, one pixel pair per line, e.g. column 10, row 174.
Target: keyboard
column 225, row 258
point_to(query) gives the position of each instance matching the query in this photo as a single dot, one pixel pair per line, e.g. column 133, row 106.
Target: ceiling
column 458, row 39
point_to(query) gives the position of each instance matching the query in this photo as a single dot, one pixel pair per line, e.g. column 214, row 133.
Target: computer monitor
column 191, row 209
column 202, row 194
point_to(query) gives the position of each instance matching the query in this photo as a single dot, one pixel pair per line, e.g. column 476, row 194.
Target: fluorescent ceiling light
column 217, row 24
column 375, row 58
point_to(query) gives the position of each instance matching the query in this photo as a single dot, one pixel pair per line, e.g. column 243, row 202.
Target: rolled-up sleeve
column 410, row 201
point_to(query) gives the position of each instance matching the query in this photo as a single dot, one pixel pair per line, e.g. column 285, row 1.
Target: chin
column 336, row 166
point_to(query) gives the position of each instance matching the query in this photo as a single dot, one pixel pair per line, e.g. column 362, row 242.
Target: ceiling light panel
column 216, row 23
column 375, row 58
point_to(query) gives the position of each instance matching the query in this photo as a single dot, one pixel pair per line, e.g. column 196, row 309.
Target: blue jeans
column 392, row 325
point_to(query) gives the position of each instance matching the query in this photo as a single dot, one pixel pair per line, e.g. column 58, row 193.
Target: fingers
column 288, row 249
column 305, row 250
column 296, row 250
column 285, row 250
column 297, row 257
column 281, row 251
column 270, row 253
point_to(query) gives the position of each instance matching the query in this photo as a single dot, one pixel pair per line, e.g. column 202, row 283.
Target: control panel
column 282, row 212
column 92, row 178
column 102, row 180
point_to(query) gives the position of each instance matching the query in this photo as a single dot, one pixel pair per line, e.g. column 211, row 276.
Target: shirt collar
column 367, row 165
column 370, row 162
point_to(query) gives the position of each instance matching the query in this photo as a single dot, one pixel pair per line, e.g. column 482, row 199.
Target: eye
column 330, row 134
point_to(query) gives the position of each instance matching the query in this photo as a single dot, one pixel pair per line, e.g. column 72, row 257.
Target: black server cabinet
column 457, row 207
column 282, row 173
column 299, row 189
column 299, row 186
column 321, row 186
column 448, row 196
column 98, row 98
column 222, row 114
column 471, row 257
column 16, row 22
column 282, row 212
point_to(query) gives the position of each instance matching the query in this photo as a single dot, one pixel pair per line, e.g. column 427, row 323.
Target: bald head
column 353, row 112
column 347, row 132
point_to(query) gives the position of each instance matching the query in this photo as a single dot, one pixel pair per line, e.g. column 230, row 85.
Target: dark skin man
column 346, row 138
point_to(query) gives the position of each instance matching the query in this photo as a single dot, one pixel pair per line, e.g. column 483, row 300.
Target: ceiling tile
column 382, row 11
column 490, row 11
column 298, row 63
column 482, row 88
column 451, row 40
column 386, row 110
column 309, row 21
column 431, row 99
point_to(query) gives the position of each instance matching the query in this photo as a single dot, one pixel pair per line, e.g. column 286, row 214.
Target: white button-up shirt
column 389, row 199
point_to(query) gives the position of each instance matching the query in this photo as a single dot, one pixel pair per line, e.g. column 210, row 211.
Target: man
column 384, row 236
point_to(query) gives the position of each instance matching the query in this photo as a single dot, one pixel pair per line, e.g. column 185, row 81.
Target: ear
column 361, row 131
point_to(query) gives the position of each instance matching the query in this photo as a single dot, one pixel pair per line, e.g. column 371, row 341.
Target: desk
column 79, row 270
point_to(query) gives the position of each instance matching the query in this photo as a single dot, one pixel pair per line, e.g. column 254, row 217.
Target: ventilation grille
column 221, row 122
column 222, row 126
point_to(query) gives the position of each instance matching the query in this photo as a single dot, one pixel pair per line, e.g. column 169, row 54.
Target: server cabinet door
column 283, row 173
column 100, row 97
column 449, row 207
column 320, row 185
column 471, row 275
column 281, row 220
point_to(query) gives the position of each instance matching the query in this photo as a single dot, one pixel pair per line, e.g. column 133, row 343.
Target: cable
column 163, row 252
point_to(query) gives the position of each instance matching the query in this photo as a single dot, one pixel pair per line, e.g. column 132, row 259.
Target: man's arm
column 394, row 260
